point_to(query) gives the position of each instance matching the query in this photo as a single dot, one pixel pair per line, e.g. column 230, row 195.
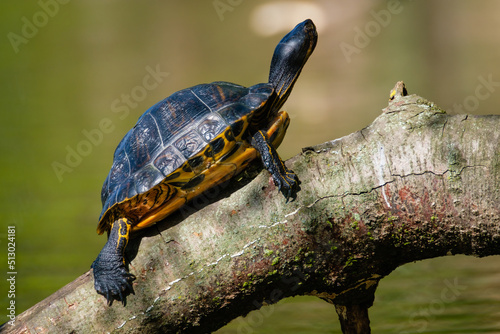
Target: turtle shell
column 180, row 147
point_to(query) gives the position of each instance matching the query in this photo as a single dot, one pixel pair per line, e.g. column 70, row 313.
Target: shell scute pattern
column 125, row 189
column 211, row 126
column 178, row 139
column 176, row 113
column 147, row 178
column 257, row 94
column 189, row 144
column 120, row 169
column 143, row 142
column 168, row 160
column 219, row 94
column 234, row 112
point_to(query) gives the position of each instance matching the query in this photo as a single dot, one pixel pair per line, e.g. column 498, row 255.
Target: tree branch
column 415, row 184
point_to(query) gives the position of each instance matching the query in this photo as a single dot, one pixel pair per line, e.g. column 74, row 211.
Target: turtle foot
column 288, row 183
column 112, row 280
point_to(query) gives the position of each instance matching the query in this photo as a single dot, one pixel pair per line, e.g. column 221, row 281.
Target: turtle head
column 290, row 56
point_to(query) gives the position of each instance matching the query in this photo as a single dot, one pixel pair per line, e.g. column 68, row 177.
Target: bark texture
column 415, row 184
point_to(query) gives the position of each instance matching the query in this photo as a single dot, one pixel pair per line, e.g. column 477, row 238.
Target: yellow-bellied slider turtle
column 191, row 141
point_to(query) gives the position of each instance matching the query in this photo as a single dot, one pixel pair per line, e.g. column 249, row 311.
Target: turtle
column 191, row 141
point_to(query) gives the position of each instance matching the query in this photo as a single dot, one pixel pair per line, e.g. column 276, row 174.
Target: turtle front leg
column 286, row 180
column 111, row 278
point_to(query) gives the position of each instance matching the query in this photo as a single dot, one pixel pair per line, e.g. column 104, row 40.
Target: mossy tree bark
column 415, row 184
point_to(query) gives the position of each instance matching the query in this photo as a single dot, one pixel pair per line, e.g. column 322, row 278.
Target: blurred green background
column 68, row 65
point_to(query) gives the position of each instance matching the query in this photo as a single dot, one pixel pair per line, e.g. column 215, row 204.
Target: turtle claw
column 288, row 184
column 112, row 280
column 114, row 287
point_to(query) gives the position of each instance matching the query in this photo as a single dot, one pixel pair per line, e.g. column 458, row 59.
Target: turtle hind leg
column 111, row 278
column 286, row 180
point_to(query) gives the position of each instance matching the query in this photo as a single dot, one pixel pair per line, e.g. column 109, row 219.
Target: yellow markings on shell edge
column 166, row 197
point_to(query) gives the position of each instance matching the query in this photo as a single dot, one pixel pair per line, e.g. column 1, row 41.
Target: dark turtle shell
column 169, row 152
